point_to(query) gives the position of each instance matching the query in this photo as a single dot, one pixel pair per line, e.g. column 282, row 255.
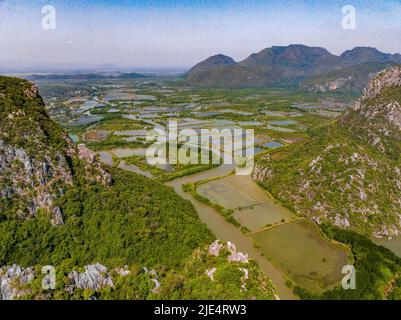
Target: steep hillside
column 348, row 173
column 218, row 60
column 59, row 207
column 36, row 157
column 349, row 78
column 297, row 66
column 356, row 68
column 367, row 54
column 299, row 59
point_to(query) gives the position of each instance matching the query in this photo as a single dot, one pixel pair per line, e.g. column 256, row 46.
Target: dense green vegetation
column 14, row 105
column 176, row 170
column 129, row 222
column 342, row 173
column 359, row 76
column 189, row 282
column 136, row 220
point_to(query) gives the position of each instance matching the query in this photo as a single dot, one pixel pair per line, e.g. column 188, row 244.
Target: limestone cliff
column 37, row 159
column 349, row 172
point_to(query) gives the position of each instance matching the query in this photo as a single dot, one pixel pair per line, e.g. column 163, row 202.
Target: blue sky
column 179, row 33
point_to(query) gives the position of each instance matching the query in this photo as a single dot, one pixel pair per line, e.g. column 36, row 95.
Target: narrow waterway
column 225, row 231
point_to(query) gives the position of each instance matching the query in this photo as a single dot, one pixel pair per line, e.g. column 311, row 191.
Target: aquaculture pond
column 227, row 231
column 73, row 137
column 394, row 244
column 283, row 122
column 254, row 208
column 106, row 157
column 127, row 152
column 280, row 129
column 85, row 119
column 304, row 255
column 293, row 244
column 272, row 144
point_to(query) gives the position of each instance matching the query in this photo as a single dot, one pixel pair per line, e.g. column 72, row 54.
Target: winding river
column 300, row 246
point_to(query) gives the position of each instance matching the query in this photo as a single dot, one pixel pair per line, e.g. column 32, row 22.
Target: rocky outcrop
column 93, row 165
column 12, row 280
column 214, row 248
column 234, row 255
column 387, row 79
column 32, row 92
column 33, row 183
column 210, row 273
column 348, row 173
column 154, row 278
column 95, row 277
column 37, row 157
column 376, row 116
column 214, row 262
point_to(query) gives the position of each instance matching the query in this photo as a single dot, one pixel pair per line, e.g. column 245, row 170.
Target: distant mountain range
column 20, row 68
column 299, row 66
column 84, row 76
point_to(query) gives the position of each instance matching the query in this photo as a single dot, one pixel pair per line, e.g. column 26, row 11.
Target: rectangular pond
column 272, row 144
column 283, row 122
column 254, row 208
column 127, row 152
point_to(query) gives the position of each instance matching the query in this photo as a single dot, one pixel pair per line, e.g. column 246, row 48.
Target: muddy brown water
column 225, row 231
column 394, row 244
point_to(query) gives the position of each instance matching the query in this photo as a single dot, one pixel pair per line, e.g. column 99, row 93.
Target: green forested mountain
column 368, row 54
column 349, row 172
column 215, row 61
column 296, row 66
column 109, row 234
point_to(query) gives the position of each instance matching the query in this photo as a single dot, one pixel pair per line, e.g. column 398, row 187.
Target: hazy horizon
column 180, row 33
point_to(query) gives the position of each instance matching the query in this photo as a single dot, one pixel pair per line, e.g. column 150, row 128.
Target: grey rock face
column 389, row 78
column 154, row 278
column 10, row 278
column 37, row 158
column 93, row 165
column 210, row 273
column 235, row 256
column 95, row 277
column 214, row 248
column 32, row 92
column 30, row 180
column 374, row 114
